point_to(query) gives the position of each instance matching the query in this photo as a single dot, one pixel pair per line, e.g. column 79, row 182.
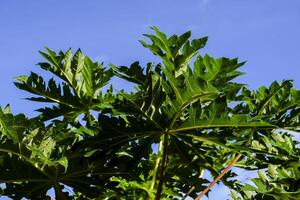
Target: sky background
column 265, row 33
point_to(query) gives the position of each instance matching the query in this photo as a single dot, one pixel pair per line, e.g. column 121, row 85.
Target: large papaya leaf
column 202, row 110
column 35, row 158
column 79, row 91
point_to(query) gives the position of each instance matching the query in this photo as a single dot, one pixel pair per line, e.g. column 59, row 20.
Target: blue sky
column 264, row 33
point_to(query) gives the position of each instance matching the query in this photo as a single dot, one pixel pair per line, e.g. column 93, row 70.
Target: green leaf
column 185, row 117
column 63, row 161
column 79, row 91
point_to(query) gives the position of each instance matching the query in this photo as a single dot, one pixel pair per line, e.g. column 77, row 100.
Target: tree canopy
column 184, row 116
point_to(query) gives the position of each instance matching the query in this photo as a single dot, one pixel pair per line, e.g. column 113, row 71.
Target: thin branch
column 218, row 178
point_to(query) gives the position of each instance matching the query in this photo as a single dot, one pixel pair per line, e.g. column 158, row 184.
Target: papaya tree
column 185, row 116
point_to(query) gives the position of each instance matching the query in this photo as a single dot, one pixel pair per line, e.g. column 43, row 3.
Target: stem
column 218, row 178
column 88, row 119
column 59, row 195
column 163, row 169
column 155, row 172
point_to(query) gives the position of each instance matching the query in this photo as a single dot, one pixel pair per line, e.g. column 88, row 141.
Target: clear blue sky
column 264, row 33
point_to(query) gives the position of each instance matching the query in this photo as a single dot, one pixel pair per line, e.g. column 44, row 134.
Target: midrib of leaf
column 284, row 109
column 177, row 93
column 210, row 140
column 162, row 39
column 47, row 56
column 40, row 186
column 143, row 133
column 142, row 111
column 290, row 128
column 83, row 172
column 151, row 104
column 26, row 159
column 79, row 70
column 166, row 47
column 140, row 135
column 192, row 147
column 184, row 105
column 234, row 150
column 184, row 157
column 68, row 80
column 78, row 180
column 24, row 180
column 10, row 133
column 53, row 99
column 206, row 139
column 269, row 99
column 120, row 74
column 207, row 126
column 188, row 58
column 127, row 139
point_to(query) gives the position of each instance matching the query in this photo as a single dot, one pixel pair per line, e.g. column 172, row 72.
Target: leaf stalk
column 219, row 177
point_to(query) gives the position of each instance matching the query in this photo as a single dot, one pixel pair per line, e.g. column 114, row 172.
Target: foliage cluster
column 185, row 116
